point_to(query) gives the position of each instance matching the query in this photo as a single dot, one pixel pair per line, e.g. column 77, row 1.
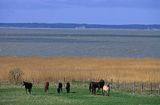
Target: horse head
column 23, row 83
column 101, row 83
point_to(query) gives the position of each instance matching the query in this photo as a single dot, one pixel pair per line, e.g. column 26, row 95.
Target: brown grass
column 83, row 68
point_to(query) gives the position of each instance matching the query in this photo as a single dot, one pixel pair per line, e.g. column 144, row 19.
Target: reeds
column 83, row 68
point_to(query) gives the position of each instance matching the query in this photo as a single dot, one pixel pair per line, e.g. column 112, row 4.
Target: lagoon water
column 72, row 42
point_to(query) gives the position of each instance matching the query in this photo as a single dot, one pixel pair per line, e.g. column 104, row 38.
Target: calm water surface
column 15, row 43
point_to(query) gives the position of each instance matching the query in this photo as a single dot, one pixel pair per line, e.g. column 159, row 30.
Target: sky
column 110, row 12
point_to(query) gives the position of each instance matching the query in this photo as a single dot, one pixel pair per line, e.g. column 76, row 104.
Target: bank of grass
column 83, row 68
column 15, row 95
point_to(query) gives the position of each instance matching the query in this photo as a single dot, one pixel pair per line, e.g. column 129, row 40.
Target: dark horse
column 68, row 87
column 28, row 86
column 94, row 85
column 59, row 89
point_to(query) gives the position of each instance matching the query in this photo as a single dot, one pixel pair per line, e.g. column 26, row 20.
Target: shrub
column 15, row 75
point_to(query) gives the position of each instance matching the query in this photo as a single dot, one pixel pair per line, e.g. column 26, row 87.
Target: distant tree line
column 73, row 25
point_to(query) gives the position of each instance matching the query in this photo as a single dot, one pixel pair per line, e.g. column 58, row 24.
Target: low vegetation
column 83, row 68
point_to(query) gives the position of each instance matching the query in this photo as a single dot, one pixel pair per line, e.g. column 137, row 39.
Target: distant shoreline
column 75, row 28
column 78, row 57
column 93, row 31
column 80, row 26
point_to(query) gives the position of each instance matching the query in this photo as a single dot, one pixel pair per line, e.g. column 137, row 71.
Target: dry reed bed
column 83, row 68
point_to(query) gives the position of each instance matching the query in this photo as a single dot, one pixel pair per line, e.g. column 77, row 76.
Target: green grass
column 79, row 96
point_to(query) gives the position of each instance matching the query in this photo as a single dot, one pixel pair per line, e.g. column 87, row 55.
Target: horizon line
column 71, row 23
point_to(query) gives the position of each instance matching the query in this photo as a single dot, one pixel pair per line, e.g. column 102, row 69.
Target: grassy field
column 83, row 68
column 15, row 95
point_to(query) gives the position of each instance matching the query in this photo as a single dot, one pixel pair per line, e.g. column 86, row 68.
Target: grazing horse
column 94, row 85
column 59, row 89
column 46, row 87
column 68, row 87
column 106, row 90
column 28, row 86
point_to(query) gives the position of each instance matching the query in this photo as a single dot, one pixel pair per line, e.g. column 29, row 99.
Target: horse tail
column 90, row 87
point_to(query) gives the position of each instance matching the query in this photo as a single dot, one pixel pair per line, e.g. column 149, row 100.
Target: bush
column 15, row 75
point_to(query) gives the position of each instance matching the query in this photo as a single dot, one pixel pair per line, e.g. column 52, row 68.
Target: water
column 103, row 45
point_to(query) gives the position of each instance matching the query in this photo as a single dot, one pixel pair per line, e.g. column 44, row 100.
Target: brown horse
column 46, row 87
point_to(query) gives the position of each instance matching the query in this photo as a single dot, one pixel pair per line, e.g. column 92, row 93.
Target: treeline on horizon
column 79, row 26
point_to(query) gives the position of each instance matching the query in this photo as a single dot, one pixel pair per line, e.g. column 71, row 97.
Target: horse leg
column 108, row 92
column 95, row 91
column 61, row 90
column 92, row 90
column 29, row 90
column 26, row 91
column 68, row 90
column 58, row 90
column 103, row 92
